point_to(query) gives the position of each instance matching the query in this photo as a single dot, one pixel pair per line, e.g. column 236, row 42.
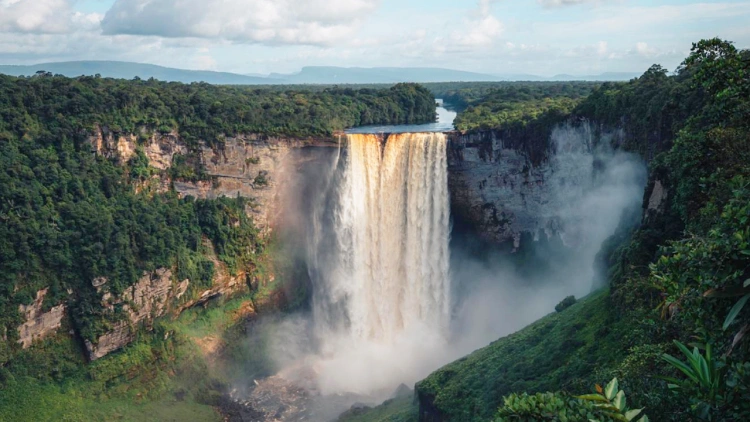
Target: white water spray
column 386, row 282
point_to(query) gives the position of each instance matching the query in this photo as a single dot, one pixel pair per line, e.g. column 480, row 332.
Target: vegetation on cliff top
column 47, row 108
column 462, row 95
column 514, row 106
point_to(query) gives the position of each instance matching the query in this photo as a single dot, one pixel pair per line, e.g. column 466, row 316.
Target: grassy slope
column 137, row 383
column 33, row 401
column 557, row 352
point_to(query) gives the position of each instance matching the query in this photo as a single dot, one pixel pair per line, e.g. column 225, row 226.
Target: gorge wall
column 500, row 187
column 504, row 185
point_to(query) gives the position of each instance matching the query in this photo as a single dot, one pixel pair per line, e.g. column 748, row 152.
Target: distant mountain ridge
column 308, row 75
column 129, row 70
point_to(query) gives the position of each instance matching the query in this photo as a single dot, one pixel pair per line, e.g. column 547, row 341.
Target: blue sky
column 543, row 37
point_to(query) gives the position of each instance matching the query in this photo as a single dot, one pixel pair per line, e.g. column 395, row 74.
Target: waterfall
column 381, row 259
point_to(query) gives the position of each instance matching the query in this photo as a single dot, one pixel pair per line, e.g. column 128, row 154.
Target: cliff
column 504, row 184
column 249, row 165
column 38, row 323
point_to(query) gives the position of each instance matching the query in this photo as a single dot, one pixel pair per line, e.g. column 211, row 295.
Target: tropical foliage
column 606, row 404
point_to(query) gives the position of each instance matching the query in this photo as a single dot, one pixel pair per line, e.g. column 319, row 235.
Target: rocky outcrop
column 160, row 148
column 252, row 166
column 156, row 294
column 657, row 200
column 142, row 302
column 248, row 166
column 38, row 324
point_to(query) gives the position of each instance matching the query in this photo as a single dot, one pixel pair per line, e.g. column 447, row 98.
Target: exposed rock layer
column 39, row 324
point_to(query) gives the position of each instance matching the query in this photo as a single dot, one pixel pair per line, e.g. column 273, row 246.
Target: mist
column 352, row 347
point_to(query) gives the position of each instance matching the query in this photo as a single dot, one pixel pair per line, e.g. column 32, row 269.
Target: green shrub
column 261, row 179
column 607, row 404
column 565, row 303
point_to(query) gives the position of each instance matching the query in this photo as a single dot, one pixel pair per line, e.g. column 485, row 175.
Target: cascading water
column 377, row 217
column 380, row 259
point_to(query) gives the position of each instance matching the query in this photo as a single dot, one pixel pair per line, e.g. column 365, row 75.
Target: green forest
column 47, row 108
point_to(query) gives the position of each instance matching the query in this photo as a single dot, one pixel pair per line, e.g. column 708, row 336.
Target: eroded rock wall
column 249, row 166
column 502, row 187
column 38, row 324
column 156, row 294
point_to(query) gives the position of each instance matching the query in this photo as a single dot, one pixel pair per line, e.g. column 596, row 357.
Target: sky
column 501, row 37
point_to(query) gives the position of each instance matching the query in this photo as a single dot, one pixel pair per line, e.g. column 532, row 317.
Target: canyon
column 502, row 189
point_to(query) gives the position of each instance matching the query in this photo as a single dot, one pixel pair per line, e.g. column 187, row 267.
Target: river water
column 444, row 124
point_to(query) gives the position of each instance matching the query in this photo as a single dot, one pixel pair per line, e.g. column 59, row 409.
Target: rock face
column 39, row 324
column 142, row 302
column 154, row 295
column 249, row 166
column 501, row 188
column 656, row 200
column 252, row 166
column 160, row 148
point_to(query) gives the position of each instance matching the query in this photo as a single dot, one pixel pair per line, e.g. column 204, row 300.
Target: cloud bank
column 314, row 22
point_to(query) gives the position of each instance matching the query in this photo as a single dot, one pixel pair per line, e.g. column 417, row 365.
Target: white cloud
column 314, row 22
column 230, row 36
column 35, row 16
column 481, row 29
column 644, row 49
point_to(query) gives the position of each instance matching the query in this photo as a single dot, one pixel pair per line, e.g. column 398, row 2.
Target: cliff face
column 502, row 187
column 250, row 166
column 253, row 166
column 142, row 302
column 160, row 148
column 38, row 324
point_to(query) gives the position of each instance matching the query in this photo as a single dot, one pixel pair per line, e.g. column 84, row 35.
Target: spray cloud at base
column 393, row 298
